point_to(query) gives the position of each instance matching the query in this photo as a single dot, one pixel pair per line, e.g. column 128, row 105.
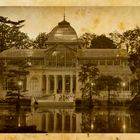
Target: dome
column 63, row 32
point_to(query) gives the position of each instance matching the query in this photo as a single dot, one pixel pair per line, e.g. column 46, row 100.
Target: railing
column 58, row 97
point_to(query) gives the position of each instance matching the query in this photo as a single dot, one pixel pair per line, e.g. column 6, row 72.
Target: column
column 78, row 122
column 63, row 84
column 47, row 84
column 63, row 122
column 41, row 85
column 129, row 88
column 78, row 93
column 55, row 119
column 71, row 84
column 25, row 83
column 28, row 84
column 43, row 122
column 55, row 84
column 47, row 122
column 71, row 122
column 44, row 84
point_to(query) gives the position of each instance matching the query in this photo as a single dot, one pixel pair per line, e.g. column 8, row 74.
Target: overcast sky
column 99, row 20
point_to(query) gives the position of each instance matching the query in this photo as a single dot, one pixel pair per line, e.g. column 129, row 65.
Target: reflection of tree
column 93, row 123
column 135, row 121
column 86, row 121
column 14, row 120
column 109, row 121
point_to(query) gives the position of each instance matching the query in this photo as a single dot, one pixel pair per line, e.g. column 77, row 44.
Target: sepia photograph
column 70, row 69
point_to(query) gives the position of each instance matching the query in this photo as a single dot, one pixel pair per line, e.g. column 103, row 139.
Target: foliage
column 117, row 39
column 85, row 40
column 41, row 41
column 102, row 42
column 134, row 61
column 2, row 74
column 135, row 86
column 129, row 40
column 108, row 82
column 87, row 75
column 11, row 36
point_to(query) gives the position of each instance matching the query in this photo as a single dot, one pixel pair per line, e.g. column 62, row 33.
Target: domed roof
column 63, row 32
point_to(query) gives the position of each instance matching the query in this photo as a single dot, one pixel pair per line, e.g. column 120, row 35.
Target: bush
column 78, row 102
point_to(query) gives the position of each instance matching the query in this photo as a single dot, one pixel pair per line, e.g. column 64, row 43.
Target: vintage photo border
column 73, row 136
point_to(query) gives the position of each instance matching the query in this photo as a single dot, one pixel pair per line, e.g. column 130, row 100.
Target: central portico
column 59, row 83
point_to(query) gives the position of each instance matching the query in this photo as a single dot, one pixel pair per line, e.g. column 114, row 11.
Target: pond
column 68, row 120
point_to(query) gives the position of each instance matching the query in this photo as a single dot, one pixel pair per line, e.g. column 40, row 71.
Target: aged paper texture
column 121, row 26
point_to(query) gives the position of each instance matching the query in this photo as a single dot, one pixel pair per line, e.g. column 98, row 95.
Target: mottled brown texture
column 96, row 19
column 93, row 24
column 70, row 136
column 71, row 2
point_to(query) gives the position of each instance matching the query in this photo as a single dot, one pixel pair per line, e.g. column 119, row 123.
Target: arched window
column 34, row 84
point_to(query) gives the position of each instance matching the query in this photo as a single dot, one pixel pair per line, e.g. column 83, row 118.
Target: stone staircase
column 57, row 100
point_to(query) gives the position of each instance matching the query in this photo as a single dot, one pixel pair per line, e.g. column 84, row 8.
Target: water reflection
column 13, row 119
column 118, row 120
column 107, row 121
column 56, row 120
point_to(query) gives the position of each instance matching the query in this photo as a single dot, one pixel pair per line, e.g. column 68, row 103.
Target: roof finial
column 64, row 13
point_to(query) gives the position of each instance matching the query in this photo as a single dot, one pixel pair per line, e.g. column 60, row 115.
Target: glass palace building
column 54, row 71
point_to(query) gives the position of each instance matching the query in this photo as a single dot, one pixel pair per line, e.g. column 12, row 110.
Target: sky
column 94, row 19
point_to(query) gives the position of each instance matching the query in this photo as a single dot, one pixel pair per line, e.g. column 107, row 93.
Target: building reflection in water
column 94, row 121
column 56, row 120
column 71, row 120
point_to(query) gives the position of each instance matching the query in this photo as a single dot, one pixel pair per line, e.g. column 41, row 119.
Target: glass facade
column 60, row 57
column 104, row 62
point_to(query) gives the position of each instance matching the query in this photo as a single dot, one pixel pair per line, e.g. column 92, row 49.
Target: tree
column 41, row 41
column 87, row 77
column 2, row 75
column 131, row 39
column 135, row 86
column 134, row 61
column 11, row 36
column 85, row 40
column 117, row 39
column 109, row 83
column 102, row 42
